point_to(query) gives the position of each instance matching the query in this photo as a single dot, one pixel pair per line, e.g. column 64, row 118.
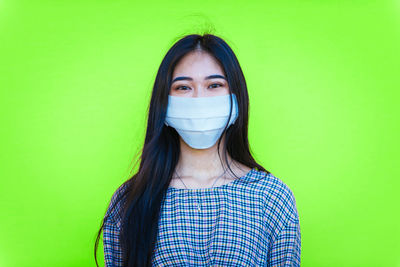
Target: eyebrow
column 191, row 79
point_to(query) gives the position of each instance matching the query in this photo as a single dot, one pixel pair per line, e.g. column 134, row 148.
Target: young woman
column 199, row 198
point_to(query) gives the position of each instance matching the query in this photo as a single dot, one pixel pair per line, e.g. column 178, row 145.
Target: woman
column 199, row 198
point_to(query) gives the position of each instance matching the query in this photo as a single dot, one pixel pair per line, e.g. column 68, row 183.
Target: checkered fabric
column 251, row 221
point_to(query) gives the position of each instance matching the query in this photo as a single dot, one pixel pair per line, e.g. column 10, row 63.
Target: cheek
column 222, row 91
column 225, row 90
column 173, row 93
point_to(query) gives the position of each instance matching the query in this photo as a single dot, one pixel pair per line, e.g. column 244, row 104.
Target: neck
column 202, row 165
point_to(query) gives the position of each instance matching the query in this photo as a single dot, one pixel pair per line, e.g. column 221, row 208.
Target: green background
column 323, row 81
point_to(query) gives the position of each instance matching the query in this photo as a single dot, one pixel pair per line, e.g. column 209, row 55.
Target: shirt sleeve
column 285, row 250
column 111, row 230
column 111, row 244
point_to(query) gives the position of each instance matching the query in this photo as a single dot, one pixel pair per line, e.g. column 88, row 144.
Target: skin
column 199, row 168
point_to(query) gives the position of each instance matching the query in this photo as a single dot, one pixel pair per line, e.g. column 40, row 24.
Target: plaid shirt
column 251, row 221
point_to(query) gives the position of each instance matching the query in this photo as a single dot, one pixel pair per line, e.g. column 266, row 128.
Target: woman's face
column 198, row 74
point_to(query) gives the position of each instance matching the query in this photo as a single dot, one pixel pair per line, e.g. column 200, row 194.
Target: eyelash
column 177, row 88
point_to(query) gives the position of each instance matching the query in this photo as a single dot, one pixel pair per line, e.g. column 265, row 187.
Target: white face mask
column 200, row 121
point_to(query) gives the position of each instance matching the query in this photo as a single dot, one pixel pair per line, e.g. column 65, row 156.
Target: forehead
column 197, row 63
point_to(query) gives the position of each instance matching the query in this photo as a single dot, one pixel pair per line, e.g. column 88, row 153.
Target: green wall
column 323, row 80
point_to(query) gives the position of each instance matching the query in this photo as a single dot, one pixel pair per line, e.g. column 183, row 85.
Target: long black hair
column 145, row 190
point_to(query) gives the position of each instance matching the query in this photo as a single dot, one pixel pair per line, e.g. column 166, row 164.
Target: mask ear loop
column 165, row 119
column 233, row 106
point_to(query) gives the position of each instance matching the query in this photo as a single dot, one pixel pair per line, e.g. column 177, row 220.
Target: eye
column 178, row 88
column 216, row 84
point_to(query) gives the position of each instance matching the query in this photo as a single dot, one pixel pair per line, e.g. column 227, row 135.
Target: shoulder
column 114, row 209
column 279, row 199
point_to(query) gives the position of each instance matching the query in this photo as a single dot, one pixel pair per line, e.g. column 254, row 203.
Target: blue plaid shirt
column 251, row 221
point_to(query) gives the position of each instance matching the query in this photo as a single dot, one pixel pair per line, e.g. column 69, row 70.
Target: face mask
column 200, row 121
